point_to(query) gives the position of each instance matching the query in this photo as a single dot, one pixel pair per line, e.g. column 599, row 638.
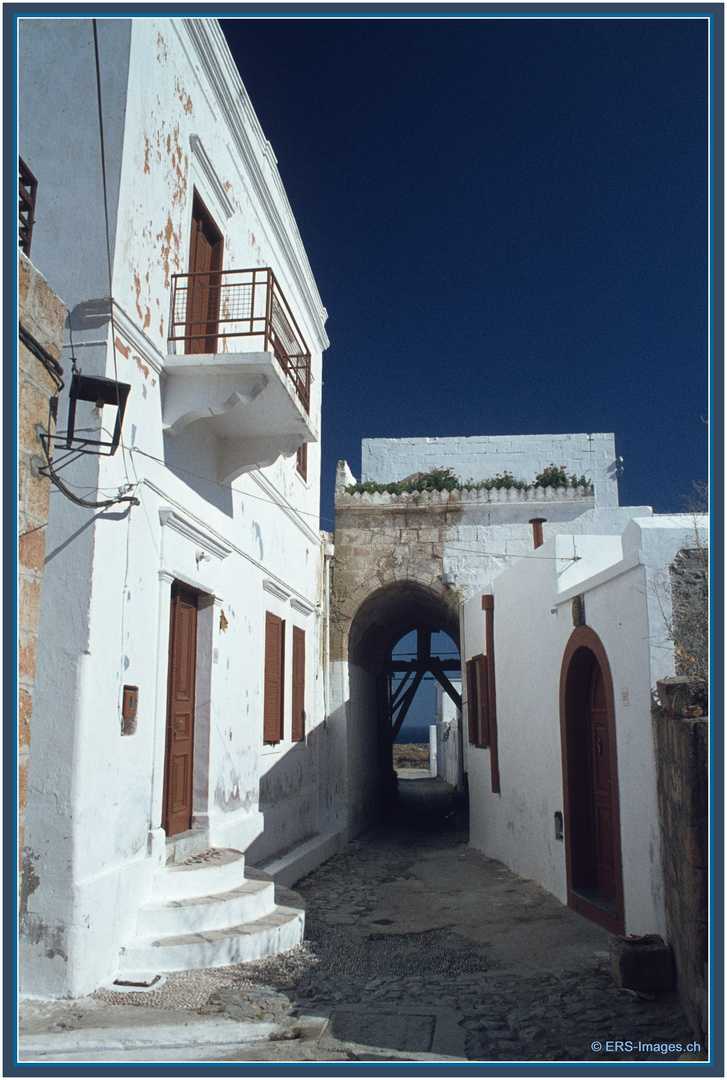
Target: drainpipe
column 537, row 524
column 328, row 553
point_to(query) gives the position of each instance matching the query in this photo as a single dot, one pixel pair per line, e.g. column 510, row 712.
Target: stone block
column 29, row 604
column 31, row 550
column 25, row 711
column 642, row 963
column 33, row 409
column 26, row 659
column 37, row 495
column 682, row 696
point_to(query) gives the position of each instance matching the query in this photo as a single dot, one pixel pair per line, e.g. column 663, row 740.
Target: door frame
column 583, row 647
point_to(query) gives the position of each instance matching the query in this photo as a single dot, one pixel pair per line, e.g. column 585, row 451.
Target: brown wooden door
column 180, row 711
column 203, row 296
column 601, row 794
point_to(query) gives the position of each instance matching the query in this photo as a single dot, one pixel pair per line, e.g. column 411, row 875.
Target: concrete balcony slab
column 246, row 400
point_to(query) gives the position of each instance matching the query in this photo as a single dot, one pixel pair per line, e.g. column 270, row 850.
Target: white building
column 180, row 690
column 579, row 639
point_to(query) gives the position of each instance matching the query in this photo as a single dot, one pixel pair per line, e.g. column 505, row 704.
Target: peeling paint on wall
column 123, row 349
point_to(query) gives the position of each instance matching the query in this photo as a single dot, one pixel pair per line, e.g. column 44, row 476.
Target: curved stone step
column 214, row 871
column 279, row 930
column 247, row 901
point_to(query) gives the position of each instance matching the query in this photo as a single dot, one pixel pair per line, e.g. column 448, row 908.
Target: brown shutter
column 274, row 671
column 302, row 460
column 483, row 702
column 298, row 728
column 470, row 671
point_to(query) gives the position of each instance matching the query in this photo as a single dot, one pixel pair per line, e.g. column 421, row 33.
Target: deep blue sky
column 507, row 222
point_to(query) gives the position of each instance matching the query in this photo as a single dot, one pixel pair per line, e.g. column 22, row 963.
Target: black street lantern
column 101, row 392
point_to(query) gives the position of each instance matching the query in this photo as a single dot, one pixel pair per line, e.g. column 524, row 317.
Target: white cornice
column 257, row 155
column 200, row 156
column 275, row 589
column 304, row 609
column 212, row 544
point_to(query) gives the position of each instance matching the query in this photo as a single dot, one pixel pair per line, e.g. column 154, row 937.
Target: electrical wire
column 108, row 230
column 307, row 513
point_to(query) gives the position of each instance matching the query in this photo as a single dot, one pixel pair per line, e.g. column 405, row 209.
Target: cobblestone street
column 418, row 945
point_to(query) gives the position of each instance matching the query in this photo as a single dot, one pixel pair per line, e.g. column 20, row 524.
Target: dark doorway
column 179, row 752
column 590, row 782
column 203, row 297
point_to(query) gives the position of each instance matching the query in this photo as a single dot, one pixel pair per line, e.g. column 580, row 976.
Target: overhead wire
column 319, row 517
column 108, row 228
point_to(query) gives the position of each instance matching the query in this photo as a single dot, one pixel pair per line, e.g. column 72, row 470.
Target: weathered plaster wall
column 41, row 315
column 179, row 119
column 482, row 456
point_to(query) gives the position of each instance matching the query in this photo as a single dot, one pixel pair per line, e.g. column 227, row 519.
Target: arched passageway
column 382, row 686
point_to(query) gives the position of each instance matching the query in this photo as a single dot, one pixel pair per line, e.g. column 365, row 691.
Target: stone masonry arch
column 405, row 561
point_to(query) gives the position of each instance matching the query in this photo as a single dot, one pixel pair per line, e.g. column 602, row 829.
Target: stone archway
column 364, row 643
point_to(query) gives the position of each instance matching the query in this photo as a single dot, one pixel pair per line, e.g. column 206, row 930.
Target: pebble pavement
column 354, row 956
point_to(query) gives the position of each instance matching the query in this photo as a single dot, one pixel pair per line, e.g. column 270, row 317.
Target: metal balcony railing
column 210, row 309
column 27, row 187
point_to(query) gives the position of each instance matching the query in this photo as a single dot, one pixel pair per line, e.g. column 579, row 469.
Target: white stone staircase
column 209, row 911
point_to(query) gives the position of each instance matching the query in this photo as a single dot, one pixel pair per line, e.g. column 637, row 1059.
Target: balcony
column 238, row 366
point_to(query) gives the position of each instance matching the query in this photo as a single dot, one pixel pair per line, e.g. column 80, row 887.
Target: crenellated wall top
column 462, row 498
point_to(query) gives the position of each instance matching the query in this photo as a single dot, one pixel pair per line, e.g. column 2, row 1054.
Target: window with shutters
column 274, row 675
column 478, row 697
column 302, row 460
column 298, row 721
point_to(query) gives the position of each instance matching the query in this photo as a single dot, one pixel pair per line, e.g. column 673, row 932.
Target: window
column 302, row 460
column 273, row 698
column 478, row 701
column 298, row 723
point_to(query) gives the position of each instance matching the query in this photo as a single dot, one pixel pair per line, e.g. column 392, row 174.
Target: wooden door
column 180, row 711
column 203, row 295
column 600, row 793
column 590, row 782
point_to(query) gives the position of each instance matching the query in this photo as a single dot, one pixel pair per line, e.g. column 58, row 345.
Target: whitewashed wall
column 93, row 833
column 482, row 456
column 532, row 626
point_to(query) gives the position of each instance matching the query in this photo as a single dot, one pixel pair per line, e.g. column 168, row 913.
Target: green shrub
column 446, row 480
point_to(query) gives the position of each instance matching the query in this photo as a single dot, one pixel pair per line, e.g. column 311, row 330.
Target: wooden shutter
column 483, row 701
column 298, row 723
column 274, row 673
column 470, row 671
column 302, row 460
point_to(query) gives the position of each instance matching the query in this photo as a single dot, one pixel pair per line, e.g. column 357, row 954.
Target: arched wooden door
column 590, row 782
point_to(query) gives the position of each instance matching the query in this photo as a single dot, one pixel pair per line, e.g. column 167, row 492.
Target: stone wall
column 42, row 318
column 681, row 761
